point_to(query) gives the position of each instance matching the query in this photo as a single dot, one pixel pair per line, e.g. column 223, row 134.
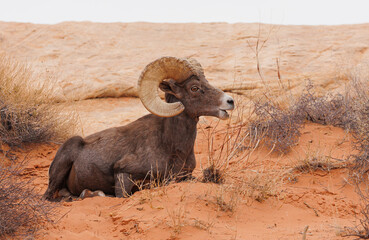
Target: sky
column 289, row 12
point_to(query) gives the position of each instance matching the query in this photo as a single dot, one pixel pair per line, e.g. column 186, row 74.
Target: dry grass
column 22, row 212
column 229, row 146
column 151, row 187
column 177, row 219
column 29, row 112
column 28, row 108
column 359, row 124
column 262, row 185
column 227, row 198
column 326, row 110
column 275, row 125
column 278, row 126
column 203, row 225
column 316, row 160
column 360, row 230
column 230, row 158
column 358, row 114
column 245, row 188
column 279, row 118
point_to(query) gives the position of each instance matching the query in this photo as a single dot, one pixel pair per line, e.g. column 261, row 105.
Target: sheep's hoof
column 64, row 193
column 88, row 194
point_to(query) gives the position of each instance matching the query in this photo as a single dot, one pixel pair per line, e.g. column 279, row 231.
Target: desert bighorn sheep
column 159, row 144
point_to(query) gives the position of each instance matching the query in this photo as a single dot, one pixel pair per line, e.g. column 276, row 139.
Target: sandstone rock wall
column 91, row 60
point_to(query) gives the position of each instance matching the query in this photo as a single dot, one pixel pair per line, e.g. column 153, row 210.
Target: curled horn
column 159, row 70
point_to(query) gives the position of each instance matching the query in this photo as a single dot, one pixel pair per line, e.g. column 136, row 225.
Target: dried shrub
column 22, row 211
column 211, row 174
column 326, row 110
column 177, row 220
column 360, row 166
column 227, row 198
column 229, row 146
column 28, row 108
column 261, row 185
column 317, row 161
column 356, row 120
column 360, row 230
column 245, row 188
column 278, row 128
column 357, row 123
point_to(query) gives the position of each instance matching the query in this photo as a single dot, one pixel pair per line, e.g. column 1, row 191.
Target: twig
column 63, row 216
column 305, row 231
column 315, row 211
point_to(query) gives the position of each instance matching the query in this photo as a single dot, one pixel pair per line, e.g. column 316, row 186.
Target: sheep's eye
column 194, row 88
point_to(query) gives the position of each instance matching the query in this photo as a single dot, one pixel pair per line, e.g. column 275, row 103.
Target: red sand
column 322, row 200
column 90, row 60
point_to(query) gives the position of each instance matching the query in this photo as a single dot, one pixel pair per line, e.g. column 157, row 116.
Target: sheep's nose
column 227, row 102
column 230, row 101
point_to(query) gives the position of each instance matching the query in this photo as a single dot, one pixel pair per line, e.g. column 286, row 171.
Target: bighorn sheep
column 159, row 144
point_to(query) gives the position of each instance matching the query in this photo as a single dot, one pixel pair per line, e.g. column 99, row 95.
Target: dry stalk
column 29, row 111
column 177, row 219
column 21, row 209
column 229, row 148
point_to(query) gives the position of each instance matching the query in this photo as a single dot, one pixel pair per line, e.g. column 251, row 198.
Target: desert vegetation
column 29, row 113
column 281, row 160
column 276, row 124
column 28, row 108
column 22, row 211
column 231, row 169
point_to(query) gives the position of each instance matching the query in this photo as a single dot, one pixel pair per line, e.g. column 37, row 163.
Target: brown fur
column 151, row 146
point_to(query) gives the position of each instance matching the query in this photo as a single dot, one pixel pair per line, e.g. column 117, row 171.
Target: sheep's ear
column 171, row 87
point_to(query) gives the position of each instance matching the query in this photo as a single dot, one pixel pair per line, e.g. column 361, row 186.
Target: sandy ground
column 89, row 60
column 322, row 200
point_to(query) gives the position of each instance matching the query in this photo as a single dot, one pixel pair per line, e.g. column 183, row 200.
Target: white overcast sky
column 306, row 12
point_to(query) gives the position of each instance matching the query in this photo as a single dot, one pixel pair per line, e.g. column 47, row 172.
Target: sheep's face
column 198, row 97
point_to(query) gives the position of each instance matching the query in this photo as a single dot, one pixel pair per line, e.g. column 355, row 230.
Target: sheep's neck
column 180, row 132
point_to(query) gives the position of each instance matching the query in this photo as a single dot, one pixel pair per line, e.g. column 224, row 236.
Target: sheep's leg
column 123, row 180
column 64, row 193
column 185, row 173
column 123, row 185
column 61, row 165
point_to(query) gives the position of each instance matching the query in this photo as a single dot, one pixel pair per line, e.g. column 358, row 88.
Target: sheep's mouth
column 223, row 114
